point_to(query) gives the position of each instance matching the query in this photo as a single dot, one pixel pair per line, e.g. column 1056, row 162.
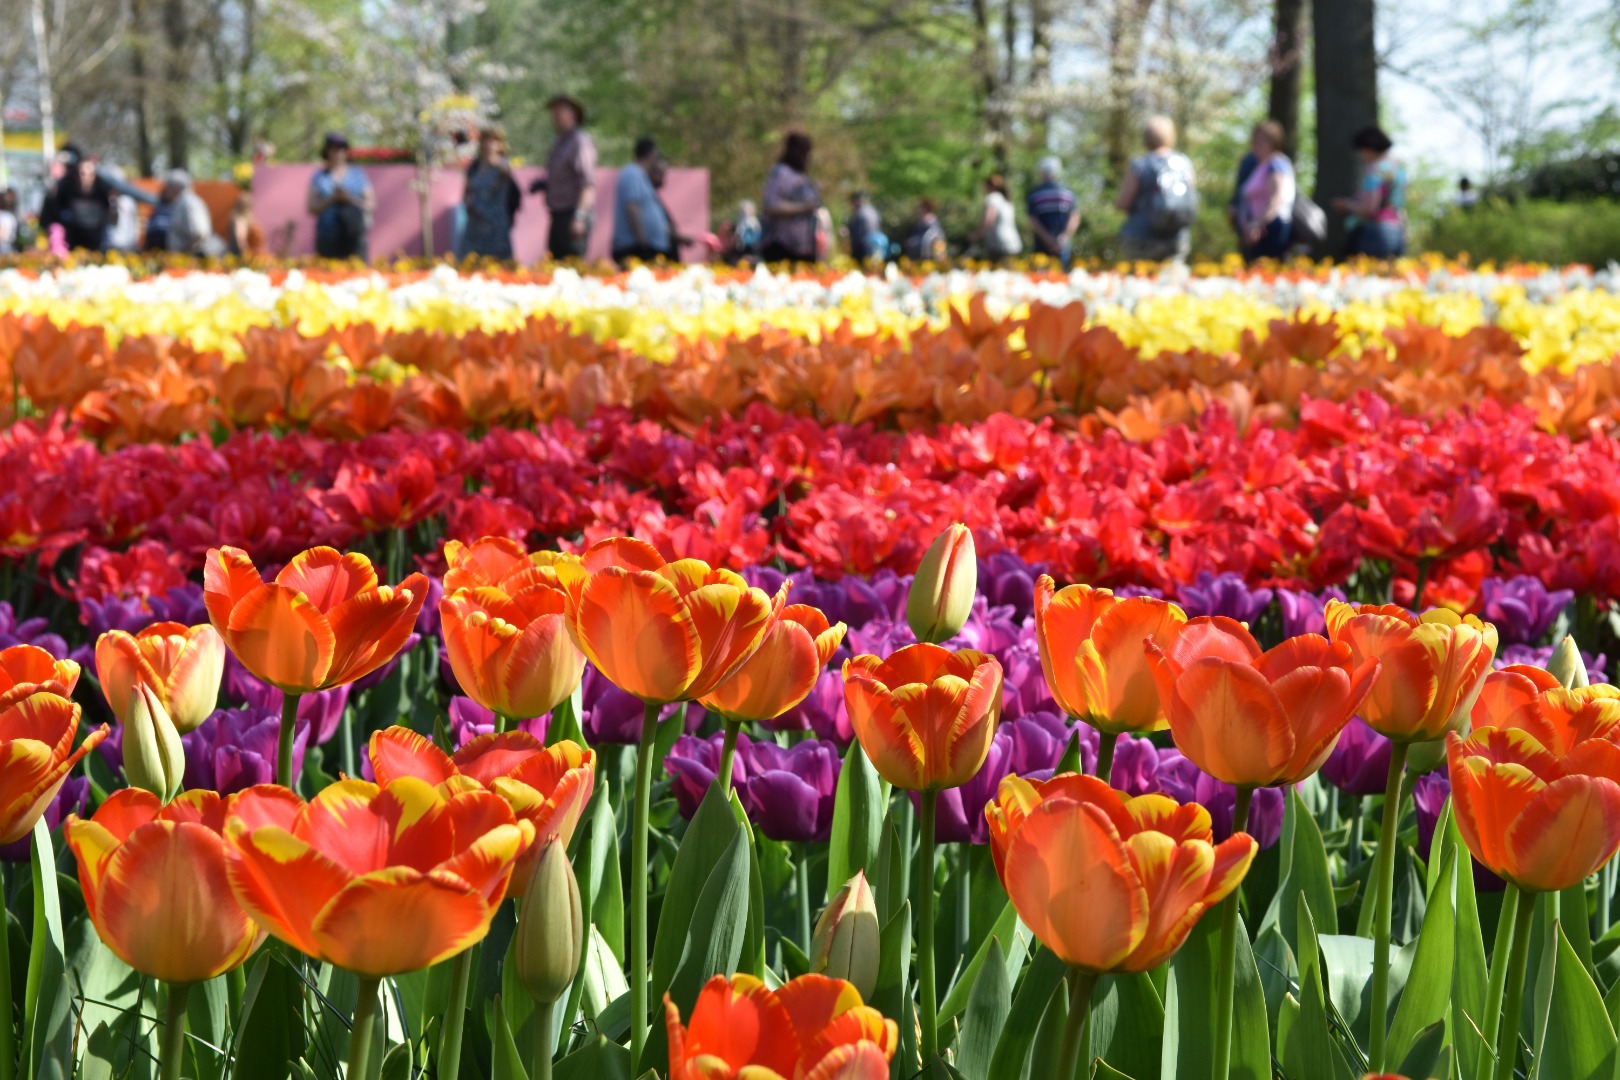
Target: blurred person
column 658, row 172
column 1160, row 198
column 191, row 228
column 926, row 243
column 746, row 233
column 491, row 197
column 1245, row 169
column 1054, row 213
column 997, row 233
column 864, row 230
column 243, row 236
column 8, row 222
column 791, row 204
column 1265, row 212
column 1467, row 196
column 641, row 226
column 1376, row 215
column 85, row 205
column 341, row 200
column 124, row 234
column 570, row 180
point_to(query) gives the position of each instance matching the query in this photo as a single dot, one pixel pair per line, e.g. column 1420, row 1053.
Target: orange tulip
column 1558, row 719
column 36, row 755
column 661, row 631
column 925, row 716
column 547, row 786
column 26, row 670
column 378, row 880
column 1253, row 718
column 1506, row 691
column 323, row 622
column 782, row 671
column 1106, row 881
column 155, row 886
column 1538, row 819
column 1091, row 653
column 1432, row 666
column 181, row 665
column 812, row 1026
column 511, row 653
column 501, row 562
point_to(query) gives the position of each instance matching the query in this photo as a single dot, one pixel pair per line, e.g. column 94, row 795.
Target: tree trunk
column 1040, row 71
column 1346, row 70
column 137, row 70
column 989, row 107
column 177, row 128
column 1287, row 69
column 1124, row 54
column 42, row 70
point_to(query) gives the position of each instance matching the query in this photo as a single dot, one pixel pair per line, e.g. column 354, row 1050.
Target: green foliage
column 1532, row 230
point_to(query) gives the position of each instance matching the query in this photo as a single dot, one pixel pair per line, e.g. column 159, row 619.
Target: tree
column 1287, row 67
column 1346, row 70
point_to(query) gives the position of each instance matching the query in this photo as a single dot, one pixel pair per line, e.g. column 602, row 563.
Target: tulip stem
column 801, row 885
column 639, row 872
column 1505, row 925
column 1080, row 982
column 8, row 1040
column 1507, row 1041
column 1384, row 869
column 173, row 1053
column 1225, row 972
column 365, row 1018
column 728, row 754
column 545, row 1040
column 1105, row 755
column 455, row 1018
column 284, row 744
column 925, row 928
column 964, row 899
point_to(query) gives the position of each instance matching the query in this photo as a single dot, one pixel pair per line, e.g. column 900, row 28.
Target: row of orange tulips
column 357, row 380
column 385, row 877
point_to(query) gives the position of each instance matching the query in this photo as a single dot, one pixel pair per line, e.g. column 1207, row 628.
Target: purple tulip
column 1429, row 797
column 1030, row 746
column 427, row 619
column 1023, row 683
column 1303, row 612
column 788, row 791
column 28, row 632
column 1125, row 592
column 71, row 798
column 1359, row 765
column 1223, row 594
column 1141, row 768
column 235, row 749
column 127, row 613
column 613, row 716
column 182, row 604
column 1538, row 655
column 1521, row 607
column 692, row 764
column 822, row 712
column 1008, row 581
column 879, row 637
column 468, row 720
column 323, row 709
column 990, row 630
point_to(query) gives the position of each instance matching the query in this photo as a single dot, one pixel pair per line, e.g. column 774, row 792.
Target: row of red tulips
column 1448, row 501
column 384, row 878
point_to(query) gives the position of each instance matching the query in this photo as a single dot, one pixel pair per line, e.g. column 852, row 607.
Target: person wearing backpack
column 1160, row 198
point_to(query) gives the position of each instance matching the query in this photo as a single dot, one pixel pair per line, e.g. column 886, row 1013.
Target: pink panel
column 280, row 192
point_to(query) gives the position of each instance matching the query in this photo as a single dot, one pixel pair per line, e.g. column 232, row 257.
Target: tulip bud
column 942, row 592
column 551, row 927
column 845, row 944
column 153, row 756
column 1567, row 665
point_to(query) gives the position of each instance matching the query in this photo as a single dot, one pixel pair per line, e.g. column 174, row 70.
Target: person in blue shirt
column 1054, row 214
column 640, row 226
column 341, row 201
column 864, row 230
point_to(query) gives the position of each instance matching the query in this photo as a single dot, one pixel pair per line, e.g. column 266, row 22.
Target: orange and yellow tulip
column 812, row 1026
column 324, row 621
column 1431, row 666
column 155, row 886
column 511, row 653
column 1091, row 653
column 378, row 880
column 661, row 631
column 1506, row 691
column 1541, row 820
column 181, row 665
column 1256, row 718
column 925, row 716
column 500, row 562
column 782, row 671
column 547, row 786
column 26, row 670
column 1106, row 881
column 36, row 755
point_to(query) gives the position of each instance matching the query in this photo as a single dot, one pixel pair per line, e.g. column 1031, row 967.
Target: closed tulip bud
column 551, row 927
column 845, row 945
column 942, row 592
column 153, row 757
column 1567, row 666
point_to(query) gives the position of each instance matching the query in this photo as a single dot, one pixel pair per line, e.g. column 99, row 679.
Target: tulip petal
column 1316, row 703
column 730, row 624
column 812, row 1001
column 635, row 628
column 486, row 864
column 1569, row 829
column 398, row 751
column 1226, row 718
column 1115, row 668
column 541, row 667
column 360, row 929
column 327, row 577
column 282, row 638
column 1175, row 878
column 228, row 577
column 282, row 882
column 852, row 1061
column 370, row 628
column 496, row 753
column 363, row 828
column 741, row 1024
column 192, row 683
